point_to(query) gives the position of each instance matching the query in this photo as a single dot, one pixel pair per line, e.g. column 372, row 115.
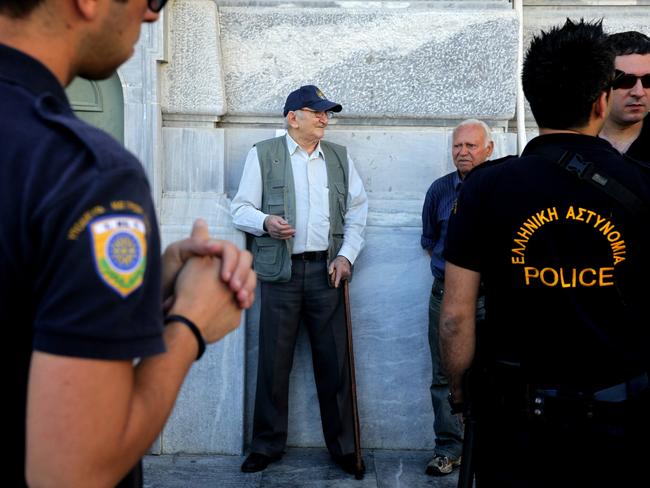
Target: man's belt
column 310, row 256
column 612, row 394
column 607, row 402
column 506, row 392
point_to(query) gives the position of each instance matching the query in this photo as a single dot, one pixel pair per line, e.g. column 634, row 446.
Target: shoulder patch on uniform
column 119, row 247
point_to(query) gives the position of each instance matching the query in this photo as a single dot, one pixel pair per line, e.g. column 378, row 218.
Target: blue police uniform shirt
column 564, row 265
column 79, row 245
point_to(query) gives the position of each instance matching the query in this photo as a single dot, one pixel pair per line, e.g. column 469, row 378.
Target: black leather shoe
column 348, row 463
column 257, row 462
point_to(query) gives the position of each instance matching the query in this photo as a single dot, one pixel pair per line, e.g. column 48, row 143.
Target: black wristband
column 195, row 330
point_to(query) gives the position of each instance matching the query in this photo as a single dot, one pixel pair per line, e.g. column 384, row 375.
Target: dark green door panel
column 99, row 103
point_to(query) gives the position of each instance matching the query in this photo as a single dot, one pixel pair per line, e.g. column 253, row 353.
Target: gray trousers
column 308, row 299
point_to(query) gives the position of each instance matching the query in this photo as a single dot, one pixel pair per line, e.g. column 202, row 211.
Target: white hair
column 483, row 125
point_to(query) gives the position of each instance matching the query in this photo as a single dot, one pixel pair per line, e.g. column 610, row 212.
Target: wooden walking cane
column 358, row 474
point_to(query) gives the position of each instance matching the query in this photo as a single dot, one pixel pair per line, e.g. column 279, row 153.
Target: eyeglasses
column 320, row 114
column 156, row 5
column 627, row 80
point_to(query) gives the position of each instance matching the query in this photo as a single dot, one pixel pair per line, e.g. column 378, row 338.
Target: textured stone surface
column 208, row 416
column 314, row 468
column 209, row 413
column 142, row 119
column 192, row 81
column 298, row 468
column 197, row 472
column 376, row 62
column 193, row 159
column 238, row 143
column 405, row 469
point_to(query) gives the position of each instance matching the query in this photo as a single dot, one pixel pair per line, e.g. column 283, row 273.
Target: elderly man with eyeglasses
column 303, row 204
column 625, row 128
column 91, row 372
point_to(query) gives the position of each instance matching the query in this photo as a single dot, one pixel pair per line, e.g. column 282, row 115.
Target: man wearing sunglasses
column 304, row 207
column 630, row 100
column 560, row 364
column 92, row 374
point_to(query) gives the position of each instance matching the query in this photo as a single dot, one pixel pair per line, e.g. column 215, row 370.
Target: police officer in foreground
column 81, row 277
column 562, row 359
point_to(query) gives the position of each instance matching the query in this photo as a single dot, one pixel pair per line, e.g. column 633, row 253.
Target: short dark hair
column 18, row 8
column 629, row 42
column 565, row 71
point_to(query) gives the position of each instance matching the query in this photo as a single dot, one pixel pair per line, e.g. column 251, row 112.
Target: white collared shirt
column 312, row 202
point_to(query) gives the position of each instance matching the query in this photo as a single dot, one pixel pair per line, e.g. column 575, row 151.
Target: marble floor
column 298, row 468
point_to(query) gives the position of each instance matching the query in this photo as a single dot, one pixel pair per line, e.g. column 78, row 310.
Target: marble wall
column 406, row 74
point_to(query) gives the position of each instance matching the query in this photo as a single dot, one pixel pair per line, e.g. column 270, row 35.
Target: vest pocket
column 275, row 204
column 269, row 256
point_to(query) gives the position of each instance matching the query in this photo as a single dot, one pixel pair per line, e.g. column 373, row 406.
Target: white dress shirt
column 312, row 202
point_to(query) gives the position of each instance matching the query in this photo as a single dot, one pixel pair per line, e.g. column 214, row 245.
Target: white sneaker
column 441, row 465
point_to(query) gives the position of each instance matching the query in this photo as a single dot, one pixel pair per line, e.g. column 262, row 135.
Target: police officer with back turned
column 562, row 358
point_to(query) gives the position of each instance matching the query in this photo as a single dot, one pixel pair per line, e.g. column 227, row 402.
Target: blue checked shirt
column 438, row 204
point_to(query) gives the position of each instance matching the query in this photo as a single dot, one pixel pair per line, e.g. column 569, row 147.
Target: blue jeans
column 446, row 426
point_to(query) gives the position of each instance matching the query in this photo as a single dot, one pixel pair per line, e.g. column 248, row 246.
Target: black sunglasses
column 156, row 5
column 627, row 80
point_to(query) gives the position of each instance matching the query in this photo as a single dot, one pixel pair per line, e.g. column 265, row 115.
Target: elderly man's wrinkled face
column 469, row 148
column 631, row 105
column 310, row 125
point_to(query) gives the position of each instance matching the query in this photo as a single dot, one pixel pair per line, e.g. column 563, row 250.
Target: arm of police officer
column 89, row 421
column 235, row 267
column 458, row 324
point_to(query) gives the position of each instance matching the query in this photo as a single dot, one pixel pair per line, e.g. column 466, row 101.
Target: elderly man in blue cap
column 303, row 203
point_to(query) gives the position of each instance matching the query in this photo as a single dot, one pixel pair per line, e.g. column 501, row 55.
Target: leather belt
column 612, row 394
column 310, row 256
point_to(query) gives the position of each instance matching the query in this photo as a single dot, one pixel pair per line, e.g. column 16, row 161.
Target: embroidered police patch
column 120, row 250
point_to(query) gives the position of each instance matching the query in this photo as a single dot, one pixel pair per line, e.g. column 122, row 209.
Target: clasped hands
column 208, row 281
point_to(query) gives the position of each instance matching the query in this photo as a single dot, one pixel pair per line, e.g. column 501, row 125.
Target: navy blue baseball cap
column 309, row 96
